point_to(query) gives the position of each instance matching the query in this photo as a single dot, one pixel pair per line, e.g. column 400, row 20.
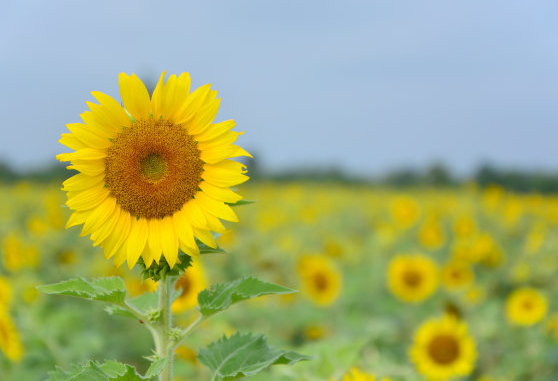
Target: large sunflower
column 155, row 173
column 443, row 349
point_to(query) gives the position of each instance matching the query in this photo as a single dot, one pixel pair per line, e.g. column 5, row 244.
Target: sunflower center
column 153, row 168
column 412, row 278
column 444, row 349
column 320, row 281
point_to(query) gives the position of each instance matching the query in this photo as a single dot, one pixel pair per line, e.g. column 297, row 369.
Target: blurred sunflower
column 443, row 350
column 457, row 275
column 5, row 293
column 192, row 282
column 321, row 280
column 526, row 306
column 404, row 211
column 431, row 234
column 154, row 174
column 355, row 374
column 10, row 344
column 412, row 278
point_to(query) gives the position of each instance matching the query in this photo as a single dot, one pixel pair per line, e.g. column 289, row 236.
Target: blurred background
column 378, row 128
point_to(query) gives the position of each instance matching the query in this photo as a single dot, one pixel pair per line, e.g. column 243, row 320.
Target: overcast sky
column 362, row 85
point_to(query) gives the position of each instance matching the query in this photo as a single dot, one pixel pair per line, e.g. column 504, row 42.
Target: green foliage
column 242, row 355
column 109, row 371
column 242, row 202
column 155, row 270
column 221, row 296
column 109, row 289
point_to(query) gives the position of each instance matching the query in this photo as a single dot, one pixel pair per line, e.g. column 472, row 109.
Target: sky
column 364, row 86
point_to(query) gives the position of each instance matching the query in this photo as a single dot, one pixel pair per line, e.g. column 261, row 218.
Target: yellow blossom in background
column 464, row 227
column 187, row 354
column 355, row 374
column 405, row 211
column 431, row 234
column 412, row 278
column 475, row 295
column 526, row 306
column 191, row 282
column 457, row 275
column 535, row 239
column 321, row 280
column 5, row 292
column 154, row 174
column 17, row 255
column 10, row 345
column 443, row 350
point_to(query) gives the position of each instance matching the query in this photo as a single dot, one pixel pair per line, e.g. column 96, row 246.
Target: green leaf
column 241, row 202
column 204, row 249
column 221, row 296
column 156, row 368
column 244, row 355
column 109, row 289
column 93, row 371
column 119, row 311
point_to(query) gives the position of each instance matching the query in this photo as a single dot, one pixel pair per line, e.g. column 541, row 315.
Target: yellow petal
column 215, row 130
column 94, row 126
column 98, row 216
column 119, row 235
column 203, row 118
column 154, row 240
column 87, row 199
column 158, row 98
column 192, row 104
column 217, row 208
column 88, row 167
column 169, row 241
column 136, row 240
column 87, row 136
column 216, row 154
column 219, row 193
column 194, row 214
column 134, row 96
column 110, row 112
column 147, row 256
column 101, row 234
column 82, row 154
column 225, row 174
column 71, row 141
column 206, row 237
column 81, row 182
column 214, row 224
column 177, row 95
column 77, row 218
column 184, row 230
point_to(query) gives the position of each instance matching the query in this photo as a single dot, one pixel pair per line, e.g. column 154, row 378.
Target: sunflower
column 321, row 280
column 155, row 173
column 431, row 234
column 5, row 292
column 442, row 349
column 526, row 306
column 457, row 275
column 191, row 282
column 9, row 338
column 355, row 374
column 404, row 211
column 412, row 278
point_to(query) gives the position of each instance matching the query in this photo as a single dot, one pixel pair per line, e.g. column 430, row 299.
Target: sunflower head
column 457, row 275
column 154, row 174
column 320, row 278
column 526, row 306
column 443, row 350
column 412, row 278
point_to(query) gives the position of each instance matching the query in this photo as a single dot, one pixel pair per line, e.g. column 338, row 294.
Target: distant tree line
column 435, row 175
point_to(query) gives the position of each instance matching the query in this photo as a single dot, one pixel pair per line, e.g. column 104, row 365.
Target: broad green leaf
column 156, row 368
column 119, row 311
column 241, row 202
column 149, row 301
column 109, row 289
column 204, row 249
column 221, row 296
column 242, row 355
column 92, row 371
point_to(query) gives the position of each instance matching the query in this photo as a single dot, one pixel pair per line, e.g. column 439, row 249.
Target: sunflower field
column 394, row 284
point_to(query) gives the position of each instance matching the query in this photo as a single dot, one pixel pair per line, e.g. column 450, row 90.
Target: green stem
column 163, row 342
